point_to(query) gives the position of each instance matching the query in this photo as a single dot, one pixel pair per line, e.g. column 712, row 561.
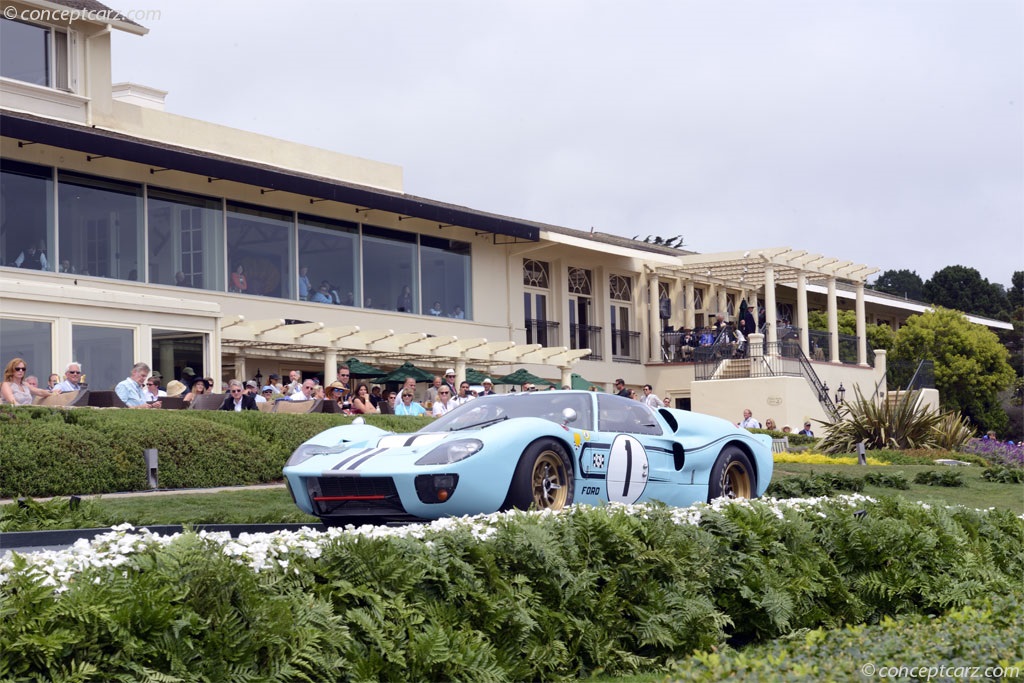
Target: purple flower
column 997, row 452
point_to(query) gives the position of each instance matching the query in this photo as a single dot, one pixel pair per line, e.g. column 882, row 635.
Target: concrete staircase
column 734, row 368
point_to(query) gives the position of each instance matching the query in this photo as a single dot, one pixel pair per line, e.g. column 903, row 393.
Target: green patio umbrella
column 522, row 376
column 357, row 368
column 476, row 377
column 407, row 369
column 581, row 383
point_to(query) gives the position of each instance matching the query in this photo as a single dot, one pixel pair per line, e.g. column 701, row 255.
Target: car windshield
column 547, row 405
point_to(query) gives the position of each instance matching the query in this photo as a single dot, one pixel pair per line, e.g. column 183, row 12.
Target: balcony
column 543, row 332
column 586, row 337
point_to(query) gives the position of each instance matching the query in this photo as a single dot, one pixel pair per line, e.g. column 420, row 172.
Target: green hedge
column 544, row 597
column 56, row 452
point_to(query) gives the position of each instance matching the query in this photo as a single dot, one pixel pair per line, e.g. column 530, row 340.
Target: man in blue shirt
column 72, row 377
column 131, row 390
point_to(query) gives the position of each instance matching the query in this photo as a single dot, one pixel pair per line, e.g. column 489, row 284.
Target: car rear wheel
column 543, row 478
column 732, row 476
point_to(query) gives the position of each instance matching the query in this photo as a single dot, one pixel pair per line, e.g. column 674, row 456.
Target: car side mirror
column 568, row 415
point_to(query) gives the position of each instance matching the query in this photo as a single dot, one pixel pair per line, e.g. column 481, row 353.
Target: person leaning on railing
column 15, row 390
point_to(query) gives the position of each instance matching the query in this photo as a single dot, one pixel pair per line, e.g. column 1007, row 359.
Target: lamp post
column 259, row 377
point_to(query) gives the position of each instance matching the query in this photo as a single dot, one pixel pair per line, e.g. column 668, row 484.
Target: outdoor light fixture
column 823, row 394
column 258, row 377
column 840, row 394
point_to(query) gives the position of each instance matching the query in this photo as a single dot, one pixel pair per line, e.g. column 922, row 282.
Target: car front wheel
column 732, row 476
column 543, row 478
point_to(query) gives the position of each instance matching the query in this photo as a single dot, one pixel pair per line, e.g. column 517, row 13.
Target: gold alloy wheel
column 549, row 481
column 736, row 481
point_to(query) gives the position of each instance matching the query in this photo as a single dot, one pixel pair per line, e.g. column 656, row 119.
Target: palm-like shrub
column 953, row 431
column 899, row 424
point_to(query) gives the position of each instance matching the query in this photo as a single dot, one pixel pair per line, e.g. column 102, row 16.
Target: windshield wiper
column 480, row 424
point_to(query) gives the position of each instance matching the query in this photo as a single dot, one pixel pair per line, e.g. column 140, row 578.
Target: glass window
column 107, row 354
column 185, row 240
column 175, row 350
column 26, row 215
column 446, row 276
column 620, row 288
column 536, row 273
column 100, row 226
column 34, row 54
column 580, row 281
column 615, row 414
column 260, row 251
column 25, row 52
column 29, row 340
column 328, row 255
column 389, row 268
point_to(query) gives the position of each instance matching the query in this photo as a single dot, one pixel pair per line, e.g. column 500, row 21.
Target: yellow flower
column 821, row 459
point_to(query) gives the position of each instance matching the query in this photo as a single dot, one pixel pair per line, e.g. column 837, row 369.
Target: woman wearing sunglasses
column 408, row 406
column 15, row 390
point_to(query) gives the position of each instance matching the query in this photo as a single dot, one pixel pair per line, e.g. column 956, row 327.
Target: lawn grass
column 246, row 506
column 976, row 493
column 274, row 505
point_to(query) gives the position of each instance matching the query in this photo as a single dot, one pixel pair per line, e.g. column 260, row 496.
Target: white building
column 184, row 243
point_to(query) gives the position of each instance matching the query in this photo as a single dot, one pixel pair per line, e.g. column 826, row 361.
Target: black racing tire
column 543, row 478
column 732, row 476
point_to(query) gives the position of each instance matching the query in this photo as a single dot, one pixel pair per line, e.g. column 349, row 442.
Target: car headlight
column 308, row 450
column 452, row 451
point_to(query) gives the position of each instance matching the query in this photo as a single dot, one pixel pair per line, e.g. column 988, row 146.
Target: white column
column 566, row 377
column 330, row 365
column 653, row 319
column 770, row 307
column 801, row 313
column 862, row 341
column 721, row 302
column 688, row 307
column 833, row 322
column 460, row 371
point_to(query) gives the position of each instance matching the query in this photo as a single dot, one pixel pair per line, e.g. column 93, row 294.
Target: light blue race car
column 537, row 449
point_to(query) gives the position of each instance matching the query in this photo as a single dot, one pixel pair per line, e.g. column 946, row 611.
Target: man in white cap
column 252, row 389
column 488, row 387
column 449, row 379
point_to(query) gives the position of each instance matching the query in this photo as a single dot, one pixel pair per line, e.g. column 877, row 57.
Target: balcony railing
column 821, row 348
column 625, row 346
column 586, row 337
column 911, row 375
column 543, row 332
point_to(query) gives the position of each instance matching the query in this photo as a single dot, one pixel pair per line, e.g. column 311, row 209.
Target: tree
column 905, row 283
column 1013, row 339
column 971, row 366
column 964, row 289
column 879, row 336
column 1015, row 295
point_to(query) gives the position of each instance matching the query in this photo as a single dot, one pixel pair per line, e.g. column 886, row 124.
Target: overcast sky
column 889, row 133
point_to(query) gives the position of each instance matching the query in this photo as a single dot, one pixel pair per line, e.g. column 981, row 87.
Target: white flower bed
column 271, row 551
